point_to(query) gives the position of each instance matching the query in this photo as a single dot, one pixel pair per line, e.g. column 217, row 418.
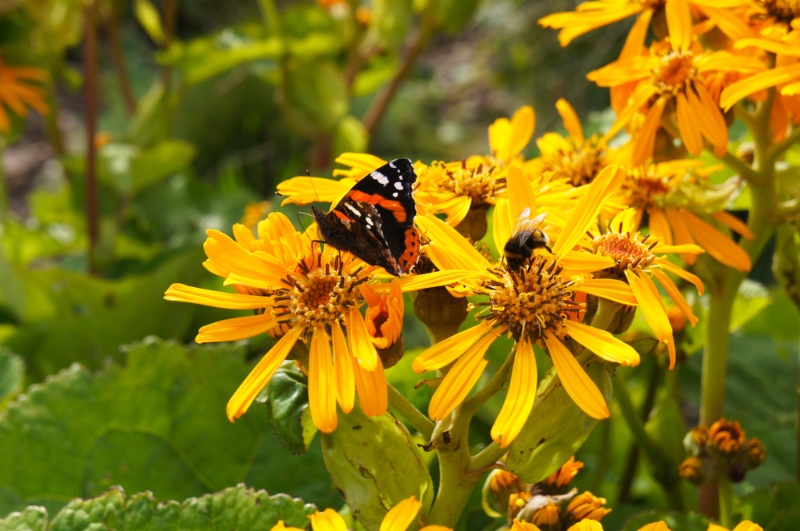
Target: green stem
column 738, row 165
column 715, row 355
column 407, row 410
column 779, row 148
column 725, row 502
column 455, row 483
column 664, row 471
column 4, row 196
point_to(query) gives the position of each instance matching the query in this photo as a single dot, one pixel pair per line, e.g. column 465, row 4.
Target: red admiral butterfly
column 375, row 219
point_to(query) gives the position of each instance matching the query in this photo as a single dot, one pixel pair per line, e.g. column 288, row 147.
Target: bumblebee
column 525, row 239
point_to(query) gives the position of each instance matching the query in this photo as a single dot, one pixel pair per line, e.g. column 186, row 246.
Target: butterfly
column 375, row 219
column 525, row 238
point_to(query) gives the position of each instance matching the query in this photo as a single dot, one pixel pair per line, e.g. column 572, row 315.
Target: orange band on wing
column 395, row 207
column 409, row 257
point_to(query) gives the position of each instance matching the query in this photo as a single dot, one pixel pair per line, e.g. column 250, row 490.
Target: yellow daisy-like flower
column 299, row 293
column 638, row 262
column 670, row 75
column 384, row 315
column 565, row 474
column 590, row 16
column 20, row 89
column 575, row 158
column 398, row 518
column 747, row 525
column 456, row 188
column 535, row 305
column 785, row 75
column 650, row 189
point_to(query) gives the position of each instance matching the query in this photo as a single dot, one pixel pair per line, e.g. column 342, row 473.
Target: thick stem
column 90, row 69
column 455, row 483
column 725, row 502
column 407, row 410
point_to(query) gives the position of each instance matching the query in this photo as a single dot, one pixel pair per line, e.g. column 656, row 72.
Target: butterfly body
column 525, row 238
column 375, row 219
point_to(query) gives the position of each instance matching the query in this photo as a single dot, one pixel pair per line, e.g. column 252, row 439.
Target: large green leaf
column 70, row 317
column 233, row 508
column 286, row 401
column 12, row 374
column 774, row 508
column 156, row 424
column 555, row 429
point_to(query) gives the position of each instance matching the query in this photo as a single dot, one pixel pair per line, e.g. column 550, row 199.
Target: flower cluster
column 721, row 450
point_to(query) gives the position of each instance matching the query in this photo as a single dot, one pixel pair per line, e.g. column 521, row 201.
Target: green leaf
column 31, row 519
column 159, row 162
column 70, row 317
column 350, row 136
column 375, row 464
column 774, row 508
column 156, row 424
column 678, row 521
column 452, row 15
column 149, row 18
column 286, row 400
column 390, row 23
column 315, row 97
column 233, row 508
column 12, row 374
column 556, row 428
column 207, row 57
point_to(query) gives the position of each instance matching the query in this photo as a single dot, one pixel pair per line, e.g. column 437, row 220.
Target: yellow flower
column 398, row 518
column 670, row 75
column 304, row 189
column 575, row 157
column 747, row 525
column 592, row 15
column 253, row 213
column 20, row 90
column 523, row 526
column 650, row 189
column 535, row 305
column 456, row 188
column 785, row 75
column 300, row 294
column 638, row 262
column 726, row 436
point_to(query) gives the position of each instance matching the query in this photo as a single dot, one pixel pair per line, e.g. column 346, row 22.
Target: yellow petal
column 685, row 275
column 343, row 365
column 679, row 24
column 448, row 238
column 675, row 294
column 436, row 279
column 577, row 383
column 373, row 393
column 608, row 288
column 445, row 352
column 659, row 226
column 571, row 122
column 361, row 345
column 520, row 197
column 653, row 308
column 644, row 140
column 586, row 525
column 502, row 223
column 747, row 525
column 327, row 520
column 261, row 374
column 401, row 515
column 688, row 126
column 216, row 299
column 603, row 343
column 321, row 392
column 303, row 189
column 460, row 379
column 581, row 262
column 236, row 328
column 733, row 223
column 716, row 243
column 750, row 85
column 586, row 211
column 520, row 398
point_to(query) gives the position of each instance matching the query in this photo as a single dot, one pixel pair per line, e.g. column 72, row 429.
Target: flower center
column 579, row 165
column 318, row 297
column 530, row 301
column 675, row 73
column 647, row 191
column 478, row 183
column 627, row 250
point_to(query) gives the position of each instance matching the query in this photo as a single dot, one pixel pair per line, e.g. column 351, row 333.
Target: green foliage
column 286, row 401
column 774, row 508
column 376, row 464
column 12, row 374
column 157, row 423
column 555, row 429
column 233, row 508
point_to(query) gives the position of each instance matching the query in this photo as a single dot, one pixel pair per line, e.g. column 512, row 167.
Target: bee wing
column 525, row 227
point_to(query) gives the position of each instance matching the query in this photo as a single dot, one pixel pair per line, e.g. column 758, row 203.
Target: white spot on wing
column 381, row 178
column 395, row 194
column 353, row 209
column 391, row 165
column 398, row 186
